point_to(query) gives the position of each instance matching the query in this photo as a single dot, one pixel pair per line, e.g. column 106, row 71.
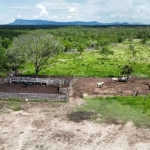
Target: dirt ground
column 25, row 88
column 88, row 86
column 53, row 126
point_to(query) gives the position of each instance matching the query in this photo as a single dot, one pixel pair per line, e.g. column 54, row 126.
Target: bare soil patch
column 25, row 88
column 47, row 126
column 88, row 86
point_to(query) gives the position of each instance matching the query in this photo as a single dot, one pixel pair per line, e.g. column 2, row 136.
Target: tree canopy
column 36, row 47
column 127, row 69
column 105, row 51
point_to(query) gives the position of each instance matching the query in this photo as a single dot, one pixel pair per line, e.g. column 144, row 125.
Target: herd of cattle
column 122, row 79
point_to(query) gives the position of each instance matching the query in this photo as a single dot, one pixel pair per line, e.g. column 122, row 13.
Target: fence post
column 9, row 80
column 18, row 95
column 28, row 95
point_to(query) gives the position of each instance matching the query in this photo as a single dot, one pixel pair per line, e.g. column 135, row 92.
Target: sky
column 103, row 11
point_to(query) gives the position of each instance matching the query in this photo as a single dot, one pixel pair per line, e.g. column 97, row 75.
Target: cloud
column 43, row 11
column 72, row 10
column 85, row 10
column 19, row 16
column 139, row 12
column 64, row 11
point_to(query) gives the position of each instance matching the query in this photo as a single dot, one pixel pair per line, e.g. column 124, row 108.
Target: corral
column 35, row 88
column 88, row 86
column 81, row 86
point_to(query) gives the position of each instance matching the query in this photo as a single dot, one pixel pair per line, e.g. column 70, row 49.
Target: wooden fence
column 38, row 96
column 29, row 80
column 34, row 96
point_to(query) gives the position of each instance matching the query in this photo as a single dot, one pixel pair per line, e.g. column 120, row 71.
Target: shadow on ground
column 80, row 116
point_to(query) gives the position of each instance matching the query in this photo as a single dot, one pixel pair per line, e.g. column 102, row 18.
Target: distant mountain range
column 46, row 22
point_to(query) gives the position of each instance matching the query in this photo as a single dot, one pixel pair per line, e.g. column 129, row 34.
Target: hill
column 46, row 22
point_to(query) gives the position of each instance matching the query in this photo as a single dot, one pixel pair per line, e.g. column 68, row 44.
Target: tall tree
column 132, row 50
column 105, row 51
column 80, row 48
column 6, row 42
column 2, row 58
column 37, row 47
column 15, row 57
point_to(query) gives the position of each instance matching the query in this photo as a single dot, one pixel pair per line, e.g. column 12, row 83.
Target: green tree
column 120, row 39
column 132, row 50
column 2, row 58
column 105, row 51
column 36, row 47
column 127, row 69
column 144, row 40
column 15, row 57
column 80, row 48
column 6, row 42
column 67, row 46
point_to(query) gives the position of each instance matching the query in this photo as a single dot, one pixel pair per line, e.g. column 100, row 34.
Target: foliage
column 2, row 57
column 105, row 51
column 132, row 50
column 80, row 48
column 15, row 56
column 6, row 43
column 36, row 47
column 127, row 69
column 92, row 39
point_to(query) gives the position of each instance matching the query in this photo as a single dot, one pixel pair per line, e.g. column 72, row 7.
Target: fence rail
column 29, row 80
column 34, row 96
column 38, row 96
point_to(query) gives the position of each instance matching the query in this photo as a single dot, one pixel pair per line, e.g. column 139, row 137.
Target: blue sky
column 103, row 11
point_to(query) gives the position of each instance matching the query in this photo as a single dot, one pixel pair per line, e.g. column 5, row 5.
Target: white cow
column 124, row 79
column 100, row 84
column 114, row 79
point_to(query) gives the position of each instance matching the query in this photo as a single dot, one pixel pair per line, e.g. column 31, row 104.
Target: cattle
column 114, row 79
column 123, row 79
column 100, row 84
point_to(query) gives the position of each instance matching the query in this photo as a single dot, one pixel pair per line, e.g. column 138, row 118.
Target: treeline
column 89, row 36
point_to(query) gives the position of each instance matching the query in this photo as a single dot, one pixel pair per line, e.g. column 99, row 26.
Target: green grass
column 120, row 109
column 14, row 105
column 91, row 63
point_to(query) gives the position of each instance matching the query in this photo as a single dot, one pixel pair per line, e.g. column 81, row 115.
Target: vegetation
column 123, row 45
column 105, row 51
column 127, row 70
column 35, row 47
column 119, row 110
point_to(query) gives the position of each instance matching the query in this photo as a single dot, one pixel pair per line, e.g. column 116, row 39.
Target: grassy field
column 91, row 63
column 119, row 110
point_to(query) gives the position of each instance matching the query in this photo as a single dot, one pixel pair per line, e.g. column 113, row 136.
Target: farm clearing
column 61, row 126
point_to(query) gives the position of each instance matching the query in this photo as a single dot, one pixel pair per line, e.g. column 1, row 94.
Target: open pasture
column 91, row 63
